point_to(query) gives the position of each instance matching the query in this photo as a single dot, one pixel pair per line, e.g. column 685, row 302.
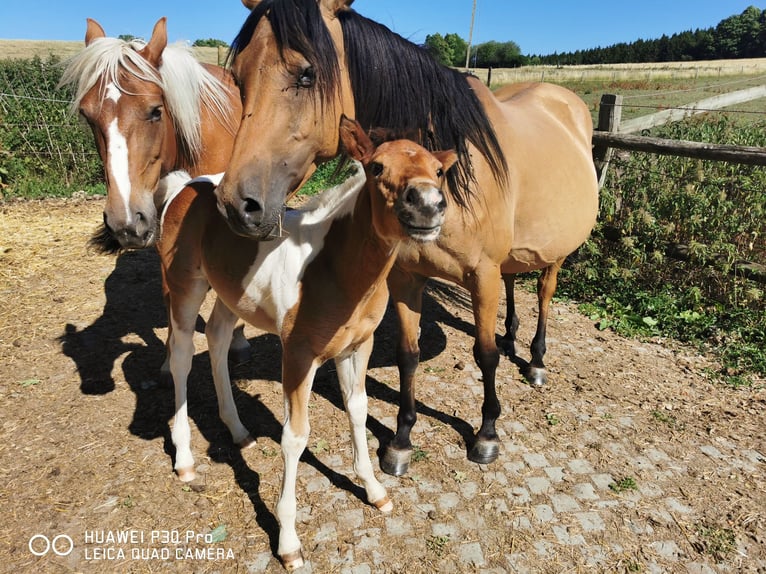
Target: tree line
column 738, row 36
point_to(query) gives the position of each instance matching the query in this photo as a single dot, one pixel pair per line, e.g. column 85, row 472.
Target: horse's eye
column 307, row 78
column 376, row 168
column 439, row 172
column 155, row 114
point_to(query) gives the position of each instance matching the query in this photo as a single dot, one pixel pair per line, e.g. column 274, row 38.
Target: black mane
column 396, row 84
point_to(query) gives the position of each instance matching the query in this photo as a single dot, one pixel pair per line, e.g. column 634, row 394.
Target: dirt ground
column 630, row 460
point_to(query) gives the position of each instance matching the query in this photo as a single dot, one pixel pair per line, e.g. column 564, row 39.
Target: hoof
column 247, row 442
column 293, row 560
column 536, row 376
column 396, row 462
column 384, row 505
column 484, row 451
column 186, row 474
column 507, row 346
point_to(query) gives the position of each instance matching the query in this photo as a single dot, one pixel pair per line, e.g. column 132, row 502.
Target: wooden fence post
column 609, row 116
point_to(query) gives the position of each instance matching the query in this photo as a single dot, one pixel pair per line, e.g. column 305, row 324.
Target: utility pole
column 470, row 36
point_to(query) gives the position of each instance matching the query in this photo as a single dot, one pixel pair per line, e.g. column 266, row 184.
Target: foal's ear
column 355, row 141
column 447, row 158
column 152, row 52
column 335, row 6
column 94, row 31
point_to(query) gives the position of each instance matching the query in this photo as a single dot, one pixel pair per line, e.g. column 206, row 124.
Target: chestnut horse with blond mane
column 321, row 287
column 154, row 109
column 524, row 184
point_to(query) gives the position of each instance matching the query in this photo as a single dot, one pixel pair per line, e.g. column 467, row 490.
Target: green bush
column 712, row 213
column 44, row 151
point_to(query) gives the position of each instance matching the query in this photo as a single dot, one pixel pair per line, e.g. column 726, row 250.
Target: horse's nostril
column 140, row 216
column 251, row 205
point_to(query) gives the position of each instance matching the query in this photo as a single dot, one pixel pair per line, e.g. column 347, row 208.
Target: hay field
column 23, row 49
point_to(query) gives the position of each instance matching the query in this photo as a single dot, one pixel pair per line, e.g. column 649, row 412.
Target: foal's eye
column 307, row 78
column 155, row 114
column 439, row 172
column 376, row 168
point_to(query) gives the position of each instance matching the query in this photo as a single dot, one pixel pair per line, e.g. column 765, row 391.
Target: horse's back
column 546, row 133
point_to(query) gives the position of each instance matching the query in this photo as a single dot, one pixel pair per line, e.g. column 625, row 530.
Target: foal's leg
column 219, row 333
column 297, row 376
column 484, row 286
column 239, row 348
column 546, row 287
column 352, row 371
column 508, row 341
column 184, row 306
column 407, row 295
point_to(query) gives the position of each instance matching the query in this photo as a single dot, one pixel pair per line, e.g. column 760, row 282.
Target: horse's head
column 286, row 63
column 405, row 181
column 124, row 106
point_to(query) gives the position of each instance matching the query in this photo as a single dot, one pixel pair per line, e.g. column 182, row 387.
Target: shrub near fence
column 634, row 282
column 44, row 150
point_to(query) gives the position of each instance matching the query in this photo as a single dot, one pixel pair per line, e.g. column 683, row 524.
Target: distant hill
column 24, row 49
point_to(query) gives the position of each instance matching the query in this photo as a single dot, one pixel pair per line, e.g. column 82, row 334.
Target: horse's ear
column 152, row 52
column 250, row 4
column 447, row 158
column 355, row 141
column 94, row 31
column 335, row 6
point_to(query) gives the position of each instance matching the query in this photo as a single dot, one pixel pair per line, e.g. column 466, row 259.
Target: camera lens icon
column 60, row 545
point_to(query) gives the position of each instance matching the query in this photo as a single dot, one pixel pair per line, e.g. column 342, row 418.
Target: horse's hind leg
column 183, row 306
column 407, row 295
column 485, row 298
column 219, row 334
column 546, row 287
column 508, row 341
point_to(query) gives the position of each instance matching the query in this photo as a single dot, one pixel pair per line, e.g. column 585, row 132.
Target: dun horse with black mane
column 524, row 183
column 321, row 287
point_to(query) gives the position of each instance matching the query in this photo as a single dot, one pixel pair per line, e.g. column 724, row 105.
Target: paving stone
column 538, row 484
column 471, row 554
column 584, row 491
column 711, row 451
column 448, row 500
column 518, row 495
column 567, row 538
column 555, row 473
column 591, row 521
column 580, row 466
column 675, row 505
column 535, row 460
column 564, row 503
column 450, row 529
column 602, row 481
column 398, row 526
column 667, row 549
column 544, row 513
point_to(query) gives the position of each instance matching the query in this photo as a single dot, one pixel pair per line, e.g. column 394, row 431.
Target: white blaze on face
column 117, row 154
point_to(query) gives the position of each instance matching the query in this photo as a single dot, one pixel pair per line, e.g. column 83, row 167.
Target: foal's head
column 405, row 182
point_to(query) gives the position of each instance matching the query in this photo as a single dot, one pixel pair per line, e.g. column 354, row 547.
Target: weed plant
column 665, row 257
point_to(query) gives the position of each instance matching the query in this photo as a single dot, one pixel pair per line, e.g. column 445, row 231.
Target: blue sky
column 538, row 27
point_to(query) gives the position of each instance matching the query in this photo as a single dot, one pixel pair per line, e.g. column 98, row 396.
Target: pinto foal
column 321, row 287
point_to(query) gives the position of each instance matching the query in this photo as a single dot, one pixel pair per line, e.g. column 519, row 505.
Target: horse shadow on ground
column 134, row 309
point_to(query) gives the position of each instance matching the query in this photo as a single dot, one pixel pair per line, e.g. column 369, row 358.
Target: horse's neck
column 357, row 255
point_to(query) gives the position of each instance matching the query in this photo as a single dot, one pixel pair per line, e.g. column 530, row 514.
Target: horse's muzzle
column 253, row 224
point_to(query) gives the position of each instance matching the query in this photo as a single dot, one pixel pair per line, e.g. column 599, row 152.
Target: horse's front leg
column 183, row 305
column 484, row 286
column 219, row 334
column 407, row 295
column 298, row 371
column 508, row 341
column 352, row 372
column 537, row 375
